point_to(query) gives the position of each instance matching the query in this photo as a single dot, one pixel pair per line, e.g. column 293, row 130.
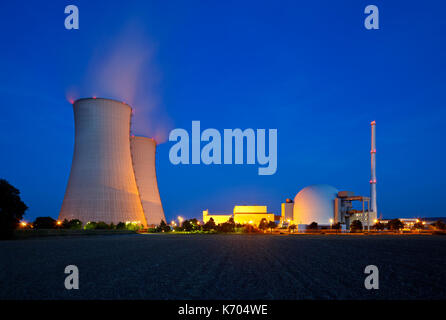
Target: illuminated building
column 286, row 216
column 218, row 218
column 252, row 214
column 242, row 215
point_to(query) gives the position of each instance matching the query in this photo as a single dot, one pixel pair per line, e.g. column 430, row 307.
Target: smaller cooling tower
column 143, row 155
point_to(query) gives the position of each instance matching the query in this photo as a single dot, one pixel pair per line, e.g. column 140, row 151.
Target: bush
column 101, row 225
column 12, row 209
column 249, row 228
column 133, row 226
column 72, row 224
column 44, row 223
column 395, row 224
column 90, row 225
column 263, row 225
column 356, row 226
column 227, row 226
column 162, row 227
column 418, row 226
column 120, row 226
column 336, row 226
column 312, row 226
column 210, row 225
column 439, row 225
column 379, row 226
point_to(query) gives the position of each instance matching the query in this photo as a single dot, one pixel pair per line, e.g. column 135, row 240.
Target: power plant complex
column 113, row 177
column 326, row 205
column 323, row 204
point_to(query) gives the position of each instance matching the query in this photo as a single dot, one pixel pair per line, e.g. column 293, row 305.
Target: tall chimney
column 374, row 208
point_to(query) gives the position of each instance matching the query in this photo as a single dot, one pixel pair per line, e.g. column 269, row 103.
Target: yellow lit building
column 242, row 215
column 252, row 214
column 218, row 218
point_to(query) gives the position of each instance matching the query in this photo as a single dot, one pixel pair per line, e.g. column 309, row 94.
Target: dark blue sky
column 309, row 69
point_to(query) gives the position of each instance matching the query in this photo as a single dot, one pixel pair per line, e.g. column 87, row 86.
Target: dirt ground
column 168, row 266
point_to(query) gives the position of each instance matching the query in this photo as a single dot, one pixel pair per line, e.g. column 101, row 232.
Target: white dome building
column 315, row 203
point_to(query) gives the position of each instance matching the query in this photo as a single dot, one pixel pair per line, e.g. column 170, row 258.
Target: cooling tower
column 102, row 185
column 143, row 155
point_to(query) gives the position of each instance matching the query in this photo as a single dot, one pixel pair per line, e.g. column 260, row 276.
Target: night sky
column 306, row 68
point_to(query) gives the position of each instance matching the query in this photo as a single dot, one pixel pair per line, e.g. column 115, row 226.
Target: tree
column 120, row 226
column 312, row 226
column 92, row 225
column 292, row 227
column 210, row 225
column 418, row 226
column 271, row 225
column 101, row 225
column 439, row 225
column 187, row 225
column 65, row 224
column 336, row 226
column 72, row 224
column 44, row 223
column 249, row 228
column 227, row 226
column 379, row 226
column 12, row 209
column 263, row 225
column 162, row 227
column 395, row 224
column 356, row 226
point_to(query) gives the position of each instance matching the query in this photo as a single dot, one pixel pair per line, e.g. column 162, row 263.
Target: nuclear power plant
column 326, row 205
column 321, row 203
column 113, row 176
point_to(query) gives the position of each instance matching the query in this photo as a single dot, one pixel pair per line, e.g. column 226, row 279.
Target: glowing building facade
column 242, row 215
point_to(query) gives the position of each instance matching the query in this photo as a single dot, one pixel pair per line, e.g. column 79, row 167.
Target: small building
column 252, row 214
column 218, row 218
column 242, row 215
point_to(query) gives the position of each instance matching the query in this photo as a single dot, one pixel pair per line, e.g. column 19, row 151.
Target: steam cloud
column 124, row 69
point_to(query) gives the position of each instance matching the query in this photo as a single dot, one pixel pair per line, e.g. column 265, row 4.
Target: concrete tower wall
column 102, row 185
column 143, row 154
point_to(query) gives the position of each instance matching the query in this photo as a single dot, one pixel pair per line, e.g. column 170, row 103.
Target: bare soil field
column 233, row 266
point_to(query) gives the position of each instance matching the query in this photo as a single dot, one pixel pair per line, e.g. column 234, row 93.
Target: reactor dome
column 315, row 203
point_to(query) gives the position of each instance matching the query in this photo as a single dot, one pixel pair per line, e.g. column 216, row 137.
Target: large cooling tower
column 143, row 155
column 102, row 185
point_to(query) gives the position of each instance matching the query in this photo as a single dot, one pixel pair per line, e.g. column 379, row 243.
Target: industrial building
column 326, row 205
column 242, row 215
column 320, row 203
column 112, row 176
